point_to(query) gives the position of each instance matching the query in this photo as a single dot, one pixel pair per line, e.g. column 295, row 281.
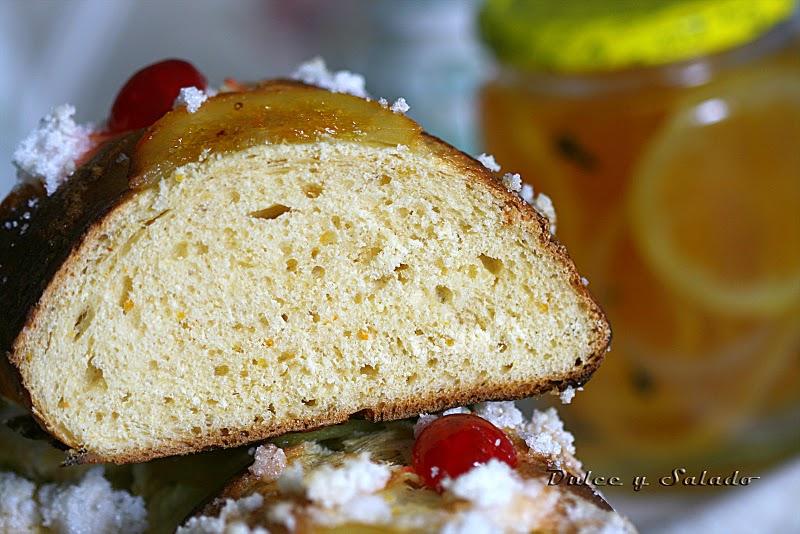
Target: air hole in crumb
column 181, row 250
column 318, row 271
column 99, row 416
column 125, row 300
column 502, row 347
column 433, row 362
column 221, row 370
column 358, row 298
column 211, row 402
column 410, row 379
column 272, row 212
column 314, row 316
column 225, row 432
column 493, row 265
column 444, row 294
column 578, row 361
column 150, row 221
column 82, row 322
column 369, row 370
column 314, row 253
column 168, row 400
column 258, row 419
column 384, row 180
column 285, row 317
column 310, row 402
column 368, row 254
column 153, row 364
column 114, row 415
column 196, row 430
column 337, row 221
column 507, row 367
column 94, row 376
column 291, row 265
column 312, row 190
column 327, row 238
column 285, row 356
column 235, row 196
column 63, row 403
column 418, row 332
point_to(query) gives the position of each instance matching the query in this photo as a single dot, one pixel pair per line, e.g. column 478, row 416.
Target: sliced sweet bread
column 280, row 259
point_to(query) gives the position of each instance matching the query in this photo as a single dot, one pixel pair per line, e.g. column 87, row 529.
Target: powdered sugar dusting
column 546, row 435
column 18, row 509
column 233, row 514
column 333, row 486
column 504, row 414
column 191, row 97
column 487, row 485
column 315, row 72
column 50, row 151
column 92, row 505
column 283, row 514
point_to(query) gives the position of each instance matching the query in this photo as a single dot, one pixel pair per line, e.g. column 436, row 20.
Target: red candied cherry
column 150, row 93
column 452, row 445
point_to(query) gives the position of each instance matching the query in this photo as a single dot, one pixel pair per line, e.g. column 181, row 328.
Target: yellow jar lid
column 599, row 35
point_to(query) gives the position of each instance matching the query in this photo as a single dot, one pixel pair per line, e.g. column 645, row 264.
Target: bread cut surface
column 289, row 285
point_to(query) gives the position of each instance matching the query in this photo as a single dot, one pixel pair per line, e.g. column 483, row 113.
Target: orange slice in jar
column 715, row 201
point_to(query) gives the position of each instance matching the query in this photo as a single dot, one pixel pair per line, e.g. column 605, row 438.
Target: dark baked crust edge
column 101, row 186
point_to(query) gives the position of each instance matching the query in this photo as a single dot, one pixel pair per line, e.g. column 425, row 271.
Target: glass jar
column 674, row 167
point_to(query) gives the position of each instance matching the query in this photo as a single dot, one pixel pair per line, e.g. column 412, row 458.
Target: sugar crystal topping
column 232, row 514
column 315, row 72
column 269, row 462
column 400, row 106
column 191, row 97
column 488, row 161
column 49, row 152
column 331, row 486
column 89, row 505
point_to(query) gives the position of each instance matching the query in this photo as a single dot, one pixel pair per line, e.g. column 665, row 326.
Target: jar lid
column 589, row 35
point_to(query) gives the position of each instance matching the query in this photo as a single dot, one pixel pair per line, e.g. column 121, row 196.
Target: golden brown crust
column 37, row 235
column 33, row 262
